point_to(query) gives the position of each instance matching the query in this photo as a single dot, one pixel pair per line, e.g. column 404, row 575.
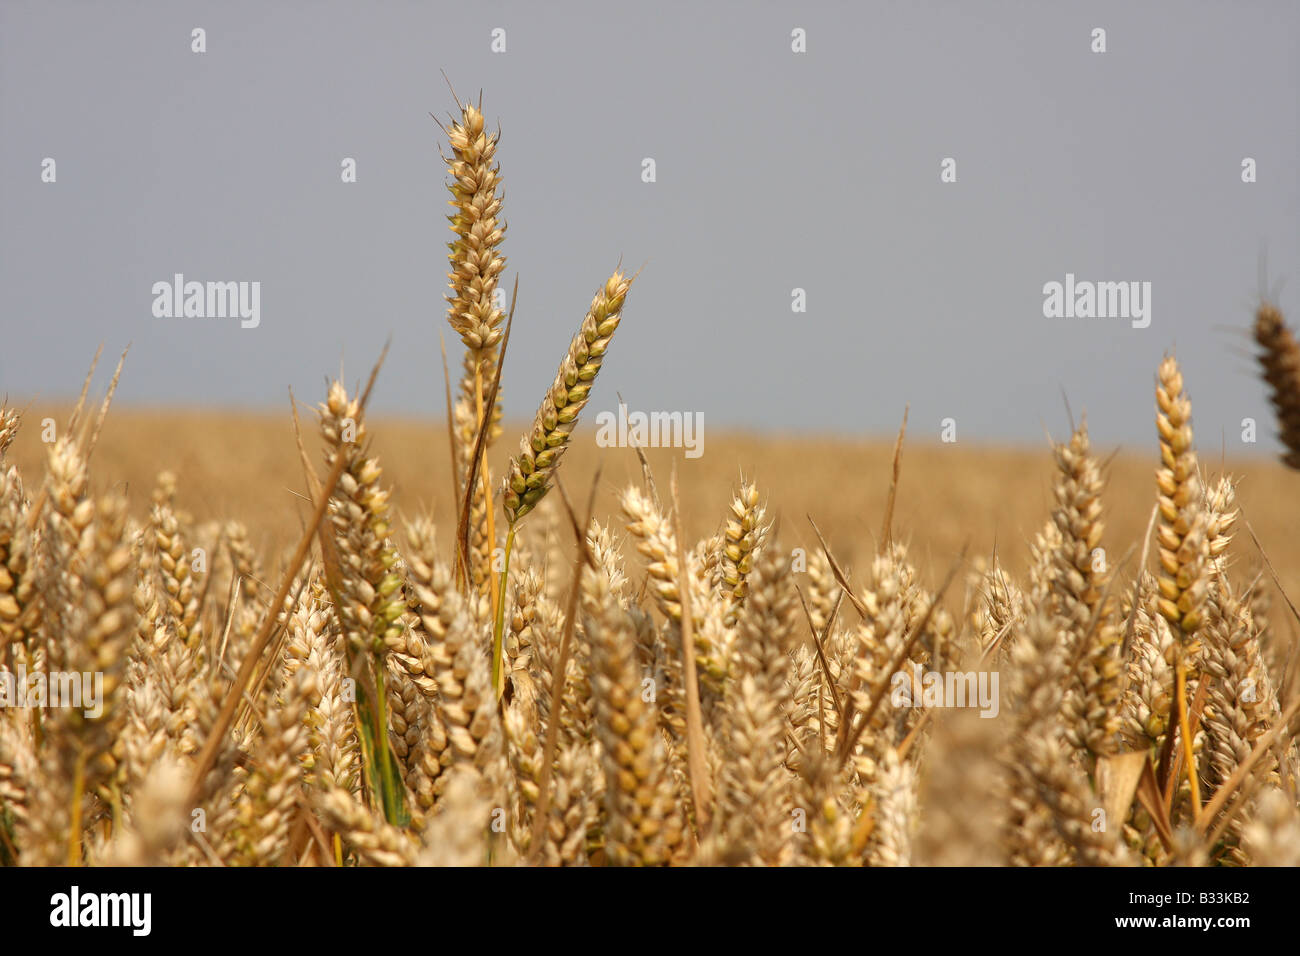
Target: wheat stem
column 499, row 617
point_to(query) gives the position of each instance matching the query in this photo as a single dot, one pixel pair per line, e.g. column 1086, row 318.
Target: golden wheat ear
column 529, row 476
column 1183, row 534
column 531, row 472
column 1183, row 528
column 475, row 262
column 476, row 267
column 1090, row 702
column 1279, row 361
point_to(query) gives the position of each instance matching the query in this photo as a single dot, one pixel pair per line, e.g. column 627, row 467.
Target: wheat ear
column 1280, row 365
column 1091, row 702
column 642, row 824
column 369, row 602
column 529, row 476
column 754, row 796
column 1184, row 581
column 744, row 535
column 475, row 262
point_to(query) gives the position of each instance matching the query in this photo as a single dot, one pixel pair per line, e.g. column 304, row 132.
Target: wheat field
column 245, row 467
column 328, row 639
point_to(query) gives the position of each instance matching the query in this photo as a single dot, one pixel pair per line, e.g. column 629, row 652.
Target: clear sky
column 775, row 170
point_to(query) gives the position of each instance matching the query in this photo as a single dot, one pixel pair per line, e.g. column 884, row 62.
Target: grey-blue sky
column 775, row 170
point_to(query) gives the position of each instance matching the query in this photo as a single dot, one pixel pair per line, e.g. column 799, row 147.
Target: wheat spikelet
column 1184, row 545
column 470, row 714
column 524, row 751
column 16, row 584
column 571, row 812
column 707, row 558
column 604, row 552
column 42, row 834
column 476, row 266
column 185, row 681
column 658, row 544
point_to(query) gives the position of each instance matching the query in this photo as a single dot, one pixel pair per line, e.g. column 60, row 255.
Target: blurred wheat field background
column 243, row 466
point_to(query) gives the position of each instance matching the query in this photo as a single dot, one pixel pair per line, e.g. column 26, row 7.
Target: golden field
column 243, row 466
